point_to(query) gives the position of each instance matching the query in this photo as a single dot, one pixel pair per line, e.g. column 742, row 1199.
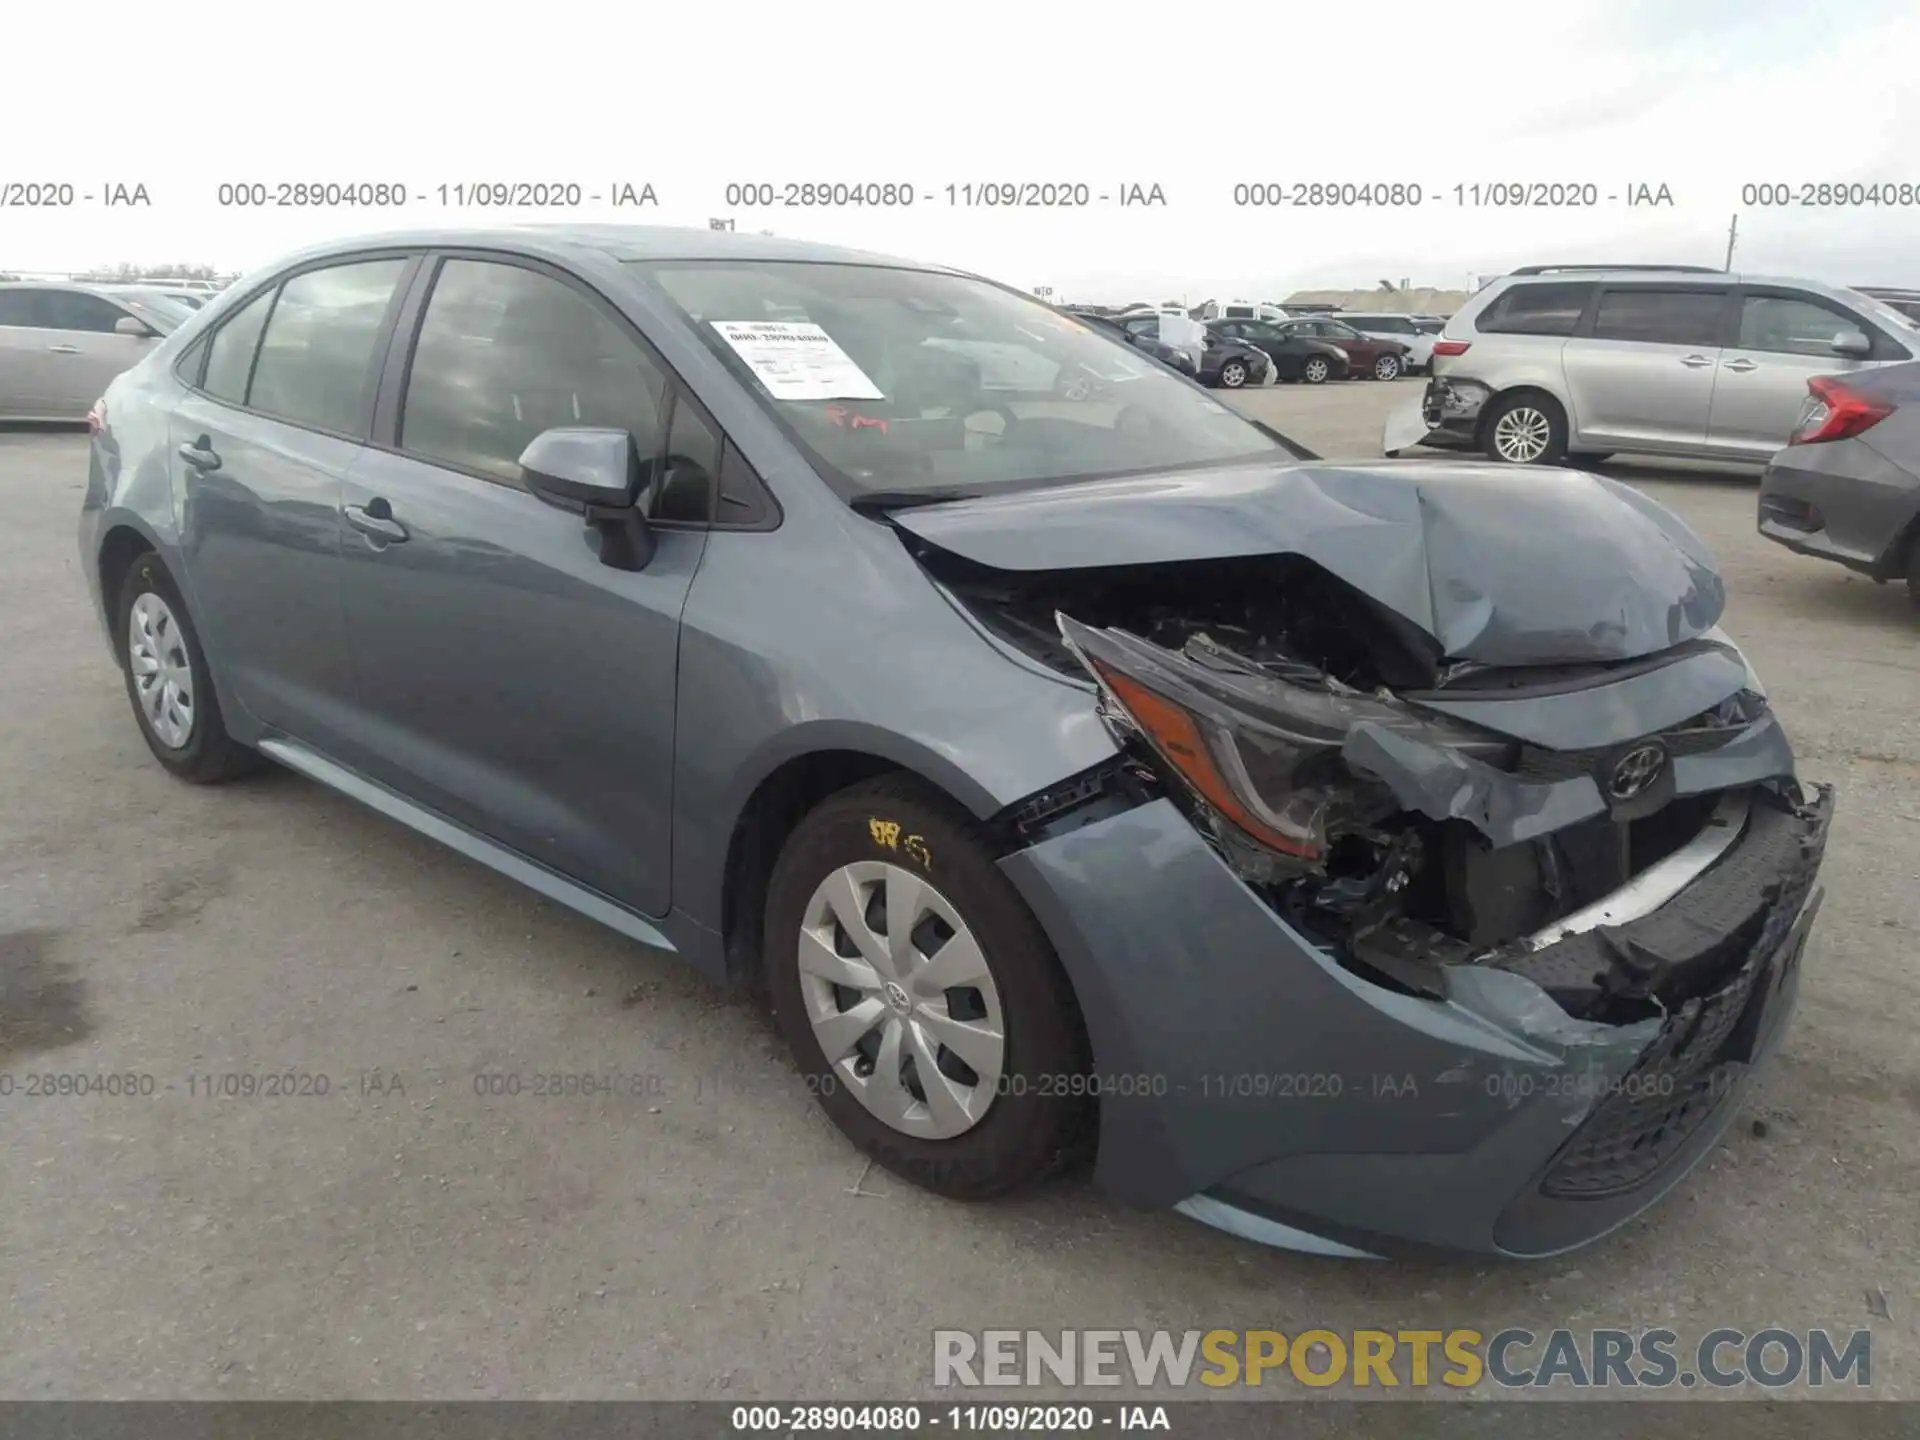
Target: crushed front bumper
column 1447, row 417
column 1250, row 1078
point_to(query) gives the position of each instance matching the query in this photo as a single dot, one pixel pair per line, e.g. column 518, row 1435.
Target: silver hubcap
column 1234, row 373
column 1387, row 368
column 900, row 999
column 162, row 676
column 1316, row 370
column 1521, row 435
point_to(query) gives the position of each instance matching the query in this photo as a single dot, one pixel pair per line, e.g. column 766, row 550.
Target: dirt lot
column 402, row 1236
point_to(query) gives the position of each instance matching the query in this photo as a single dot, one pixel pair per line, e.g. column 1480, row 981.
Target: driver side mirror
column 1852, row 342
column 134, row 326
column 597, row 474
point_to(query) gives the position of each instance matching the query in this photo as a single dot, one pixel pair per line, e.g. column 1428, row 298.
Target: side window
column 505, row 353
column 316, row 359
column 230, row 353
column 693, row 460
column 77, row 310
column 1660, row 317
column 20, row 309
column 1536, row 310
column 1792, row 327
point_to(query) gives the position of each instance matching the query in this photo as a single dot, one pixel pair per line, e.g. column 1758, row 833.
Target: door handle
column 1741, row 365
column 199, row 454
column 63, row 349
column 1694, row 362
column 375, row 520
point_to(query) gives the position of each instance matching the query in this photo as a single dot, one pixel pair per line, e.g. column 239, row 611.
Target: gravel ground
column 712, row 1236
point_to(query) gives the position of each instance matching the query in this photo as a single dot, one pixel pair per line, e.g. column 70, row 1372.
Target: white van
column 1243, row 310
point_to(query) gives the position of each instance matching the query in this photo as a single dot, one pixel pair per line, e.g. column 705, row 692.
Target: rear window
column 1552, row 309
column 1382, row 324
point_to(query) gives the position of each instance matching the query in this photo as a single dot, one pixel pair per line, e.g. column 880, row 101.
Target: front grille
column 1689, row 1069
column 1538, row 765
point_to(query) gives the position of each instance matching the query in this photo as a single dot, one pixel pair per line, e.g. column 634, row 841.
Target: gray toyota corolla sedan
column 1361, row 857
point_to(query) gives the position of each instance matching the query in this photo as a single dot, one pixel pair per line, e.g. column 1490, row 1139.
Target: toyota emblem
column 1634, row 771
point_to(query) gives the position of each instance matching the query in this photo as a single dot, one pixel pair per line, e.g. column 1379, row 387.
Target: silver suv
column 1550, row 363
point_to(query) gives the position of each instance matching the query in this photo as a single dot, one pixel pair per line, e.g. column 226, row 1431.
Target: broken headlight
column 1258, row 744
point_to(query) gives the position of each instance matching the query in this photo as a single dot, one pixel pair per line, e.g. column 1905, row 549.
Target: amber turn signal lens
column 1175, row 734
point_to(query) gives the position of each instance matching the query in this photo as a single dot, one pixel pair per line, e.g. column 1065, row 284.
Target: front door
column 507, row 678
column 1784, row 340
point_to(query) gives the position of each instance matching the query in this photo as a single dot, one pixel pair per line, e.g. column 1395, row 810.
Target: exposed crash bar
column 1659, row 883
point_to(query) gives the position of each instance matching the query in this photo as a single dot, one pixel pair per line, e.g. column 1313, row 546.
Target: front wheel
column 1233, row 374
column 1387, row 367
column 920, row 997
column 1316, row 370
column 1526, row 430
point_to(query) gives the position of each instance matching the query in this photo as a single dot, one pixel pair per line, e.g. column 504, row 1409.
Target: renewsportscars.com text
column 1511, row 1358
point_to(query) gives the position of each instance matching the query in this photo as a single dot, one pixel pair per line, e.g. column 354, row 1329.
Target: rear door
column 507, row 678
column 1640, row 371
column 277, row 411
column 1782, row 339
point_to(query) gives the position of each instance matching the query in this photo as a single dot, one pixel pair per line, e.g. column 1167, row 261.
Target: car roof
column 90, row 287
column 617, row 242
column 1659, row 276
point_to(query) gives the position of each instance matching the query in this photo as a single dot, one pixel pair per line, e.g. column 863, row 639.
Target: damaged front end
column 1405, row 840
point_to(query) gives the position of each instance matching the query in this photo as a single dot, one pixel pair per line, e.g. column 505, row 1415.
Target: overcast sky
column 1702, row 96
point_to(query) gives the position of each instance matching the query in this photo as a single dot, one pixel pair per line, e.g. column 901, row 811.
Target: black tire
column 1546, row 407
column 1586, row 461
column 1386, row 367
column 210, row 755
column 1913, row 568
column 1307, row 373
column 1233, row 374
column 1029, row 1127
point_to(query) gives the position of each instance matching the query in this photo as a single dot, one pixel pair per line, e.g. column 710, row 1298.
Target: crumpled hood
column 1501, row 565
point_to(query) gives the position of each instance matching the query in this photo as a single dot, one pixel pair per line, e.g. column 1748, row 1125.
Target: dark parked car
column 1847, row 487
column 1057, row 763
column 1142, row 338
column 1377, row 356
column 1231, row 363
column 1295, row 357
column 1226, row 363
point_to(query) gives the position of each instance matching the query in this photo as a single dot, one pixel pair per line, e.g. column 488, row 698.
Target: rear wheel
column 1316, row 370
column 919, row 995
column 168, row 683
column 1525, row 429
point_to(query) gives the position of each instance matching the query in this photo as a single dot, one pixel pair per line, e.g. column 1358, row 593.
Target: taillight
column 1834, row 410
column 97, row 416
column 1451, row 347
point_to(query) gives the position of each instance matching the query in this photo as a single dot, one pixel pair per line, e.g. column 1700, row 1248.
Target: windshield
column 1894, row 319
column 913, row 382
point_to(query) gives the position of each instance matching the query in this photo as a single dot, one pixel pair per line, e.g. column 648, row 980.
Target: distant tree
column 8, row 275
column 124, row 273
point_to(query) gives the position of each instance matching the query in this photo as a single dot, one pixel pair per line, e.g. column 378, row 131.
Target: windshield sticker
column 797, row 360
